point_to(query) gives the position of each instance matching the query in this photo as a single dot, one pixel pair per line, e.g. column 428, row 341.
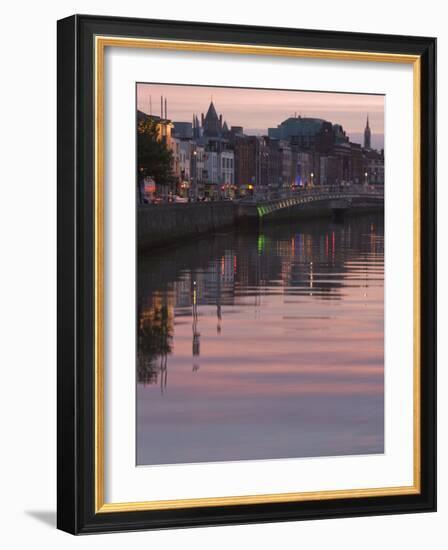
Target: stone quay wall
column 162, row 224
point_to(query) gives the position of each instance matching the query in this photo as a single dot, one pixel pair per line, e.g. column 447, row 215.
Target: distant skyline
column 259, row 109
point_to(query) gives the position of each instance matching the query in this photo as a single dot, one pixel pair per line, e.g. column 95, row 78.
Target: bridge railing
column 317, row 192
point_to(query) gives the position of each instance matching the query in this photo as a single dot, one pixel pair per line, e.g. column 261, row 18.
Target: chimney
column 161, row 106
column 166, row 110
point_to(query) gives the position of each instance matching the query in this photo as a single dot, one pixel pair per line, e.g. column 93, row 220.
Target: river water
column 262, row 344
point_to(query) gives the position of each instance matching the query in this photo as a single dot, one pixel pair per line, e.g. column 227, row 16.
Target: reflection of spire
column 257, row 281
column 163, row 373
column 219, row 315
column 311, row 278
column 218, row 298
column 196, row 333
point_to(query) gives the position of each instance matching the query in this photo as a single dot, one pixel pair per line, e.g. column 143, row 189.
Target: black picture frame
column 76, row 255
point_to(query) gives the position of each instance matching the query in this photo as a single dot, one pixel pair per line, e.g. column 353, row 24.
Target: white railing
column 318, row 193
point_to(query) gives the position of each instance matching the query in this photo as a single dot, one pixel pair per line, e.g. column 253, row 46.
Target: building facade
column 209, row 160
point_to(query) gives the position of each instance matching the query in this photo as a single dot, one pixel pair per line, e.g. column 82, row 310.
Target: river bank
column 163, row 224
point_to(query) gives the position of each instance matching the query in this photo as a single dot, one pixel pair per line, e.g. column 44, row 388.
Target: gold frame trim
column 101, row 42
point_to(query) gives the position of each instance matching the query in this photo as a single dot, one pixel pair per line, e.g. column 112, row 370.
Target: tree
column 153, row 156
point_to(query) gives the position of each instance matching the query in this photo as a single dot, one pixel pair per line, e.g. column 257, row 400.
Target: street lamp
column 195, row 175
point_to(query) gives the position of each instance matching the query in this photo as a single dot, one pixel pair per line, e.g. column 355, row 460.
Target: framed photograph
column 246, row 274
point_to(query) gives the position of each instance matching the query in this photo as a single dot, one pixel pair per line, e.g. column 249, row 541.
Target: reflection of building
column 236, row 271
column 155, row 334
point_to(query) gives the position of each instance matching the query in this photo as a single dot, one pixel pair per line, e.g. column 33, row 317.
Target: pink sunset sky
column 256, row 109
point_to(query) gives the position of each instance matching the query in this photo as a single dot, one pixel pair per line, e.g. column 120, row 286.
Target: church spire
column 367, row 135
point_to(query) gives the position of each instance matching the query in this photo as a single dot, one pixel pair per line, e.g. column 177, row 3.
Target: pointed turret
column 211, row 122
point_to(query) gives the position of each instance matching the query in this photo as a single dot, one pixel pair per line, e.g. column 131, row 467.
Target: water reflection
column 272, row 340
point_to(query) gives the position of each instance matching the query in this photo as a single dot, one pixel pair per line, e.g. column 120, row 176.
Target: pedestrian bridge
column 325, row 199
